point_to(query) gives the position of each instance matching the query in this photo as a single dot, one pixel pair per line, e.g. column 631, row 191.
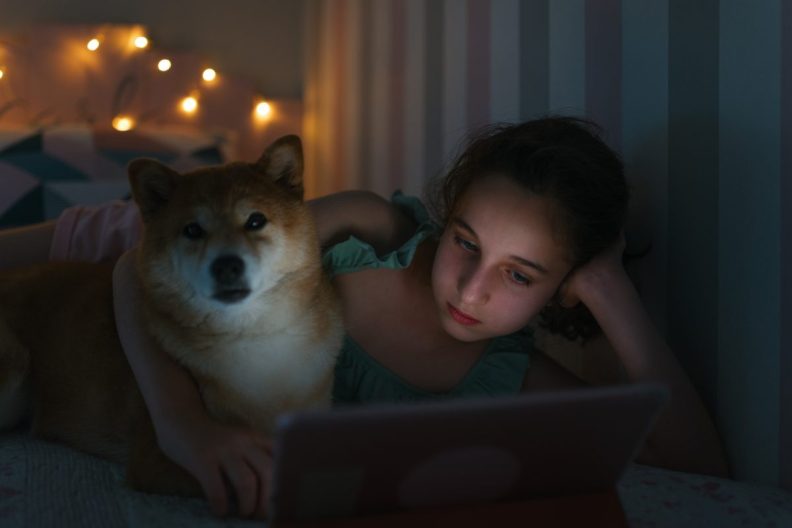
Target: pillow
column 43, row 171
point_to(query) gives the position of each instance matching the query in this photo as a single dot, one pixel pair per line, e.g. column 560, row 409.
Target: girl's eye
column 466, row 244
column 518, row 277
column 255, row 222
column 193, row 231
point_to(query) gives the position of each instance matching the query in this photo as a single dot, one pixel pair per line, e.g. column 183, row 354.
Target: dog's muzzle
column 228, row 272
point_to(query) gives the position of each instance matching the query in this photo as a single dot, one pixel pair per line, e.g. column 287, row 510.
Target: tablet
column 374, row 459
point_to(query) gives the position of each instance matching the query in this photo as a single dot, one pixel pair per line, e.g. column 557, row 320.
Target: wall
column 261, row 39
column 694, row 95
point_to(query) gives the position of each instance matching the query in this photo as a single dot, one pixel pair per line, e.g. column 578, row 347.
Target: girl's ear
column 282, row 162
column 152, row 185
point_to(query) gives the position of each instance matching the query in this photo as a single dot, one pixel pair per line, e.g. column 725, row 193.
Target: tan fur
column 271, row 352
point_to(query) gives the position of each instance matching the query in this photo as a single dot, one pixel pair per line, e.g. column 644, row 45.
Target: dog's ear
column 152, row 184
column 283, row 163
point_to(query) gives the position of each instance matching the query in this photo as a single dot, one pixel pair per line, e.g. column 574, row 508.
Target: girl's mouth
column 461, row 317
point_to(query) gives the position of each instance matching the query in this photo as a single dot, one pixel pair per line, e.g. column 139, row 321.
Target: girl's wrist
column 598, row 287
column 177, row 418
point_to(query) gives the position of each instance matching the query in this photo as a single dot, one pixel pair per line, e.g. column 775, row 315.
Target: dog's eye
column 255, row 222
column 193, row 231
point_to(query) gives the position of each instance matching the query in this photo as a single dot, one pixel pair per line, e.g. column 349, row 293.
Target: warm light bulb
column 141, row 42
column 263, row 109
column 93, row 44
column 123, row 123
column 164, row 65
column 189, row 104
column 1, row 73
column 209, row 75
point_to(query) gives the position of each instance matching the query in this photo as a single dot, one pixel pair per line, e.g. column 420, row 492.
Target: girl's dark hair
column 564, row 160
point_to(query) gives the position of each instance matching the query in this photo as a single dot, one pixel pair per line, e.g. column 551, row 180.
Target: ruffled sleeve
column 354, row 254
column 503, row 367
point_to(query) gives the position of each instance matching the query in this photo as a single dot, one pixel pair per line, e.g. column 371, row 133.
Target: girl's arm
column 210, row 451
column 186, row 433
column 364, row 214
column 684, row 437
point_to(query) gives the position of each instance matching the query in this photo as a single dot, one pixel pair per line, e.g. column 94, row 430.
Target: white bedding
column 44, row 484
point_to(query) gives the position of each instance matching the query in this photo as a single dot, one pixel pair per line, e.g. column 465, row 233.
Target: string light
column 189, row 104
column 123, row 123
column 263, row 110
column 209, row 75
column 2, row 73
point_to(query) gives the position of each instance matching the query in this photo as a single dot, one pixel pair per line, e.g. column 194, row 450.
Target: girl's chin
column 461, row 332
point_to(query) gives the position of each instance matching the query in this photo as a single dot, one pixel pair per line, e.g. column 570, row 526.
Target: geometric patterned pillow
column 45, row 171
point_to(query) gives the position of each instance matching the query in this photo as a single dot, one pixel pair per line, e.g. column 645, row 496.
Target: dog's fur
column 233, row 290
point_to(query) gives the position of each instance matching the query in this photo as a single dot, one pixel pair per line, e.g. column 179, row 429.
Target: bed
column 47, row 484
column 58, row 147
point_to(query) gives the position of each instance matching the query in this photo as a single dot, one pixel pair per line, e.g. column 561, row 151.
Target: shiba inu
column 233, row 289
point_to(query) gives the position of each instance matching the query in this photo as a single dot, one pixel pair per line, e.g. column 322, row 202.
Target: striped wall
column 748, row 226
column 692, row 94
column 785, row 188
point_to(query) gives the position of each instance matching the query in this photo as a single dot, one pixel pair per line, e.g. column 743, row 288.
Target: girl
column 528, row 228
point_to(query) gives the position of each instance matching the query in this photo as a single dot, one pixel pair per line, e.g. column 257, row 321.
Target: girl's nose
column 473, row 287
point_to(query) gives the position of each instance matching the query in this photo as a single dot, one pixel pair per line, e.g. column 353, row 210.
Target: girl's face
column 497, row 264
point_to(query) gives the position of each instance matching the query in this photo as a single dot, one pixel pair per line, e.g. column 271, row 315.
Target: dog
column 233, row 289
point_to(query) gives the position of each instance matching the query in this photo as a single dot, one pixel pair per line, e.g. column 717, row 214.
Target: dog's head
column 224, row 234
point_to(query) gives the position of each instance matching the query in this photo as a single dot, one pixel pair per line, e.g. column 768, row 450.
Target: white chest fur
column 254, row 379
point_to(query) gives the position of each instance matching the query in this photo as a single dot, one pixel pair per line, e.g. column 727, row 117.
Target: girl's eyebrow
column 525, row 262
column 530, row 264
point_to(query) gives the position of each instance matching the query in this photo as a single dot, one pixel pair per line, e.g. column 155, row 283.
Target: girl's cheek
column 444, row 260
column 442, row 267
column 448, row 273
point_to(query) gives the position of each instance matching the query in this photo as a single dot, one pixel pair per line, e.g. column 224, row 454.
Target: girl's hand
column 683, row 437
column 593, row 274
column 216, row 455
column 221, row 457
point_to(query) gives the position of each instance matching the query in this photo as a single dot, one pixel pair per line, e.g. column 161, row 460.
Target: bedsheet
column 43, row 484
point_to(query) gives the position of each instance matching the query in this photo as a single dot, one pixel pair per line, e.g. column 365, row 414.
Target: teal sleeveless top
column 360, row 378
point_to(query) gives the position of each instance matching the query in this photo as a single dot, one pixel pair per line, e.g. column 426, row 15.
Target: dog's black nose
column 227, row 269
